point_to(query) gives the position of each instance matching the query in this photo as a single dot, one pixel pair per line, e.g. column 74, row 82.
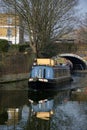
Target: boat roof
column 55, row 66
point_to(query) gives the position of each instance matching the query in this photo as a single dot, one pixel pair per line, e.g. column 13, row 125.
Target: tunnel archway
column 78, row 62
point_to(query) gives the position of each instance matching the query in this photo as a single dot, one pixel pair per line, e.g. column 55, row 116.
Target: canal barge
column 48, row 75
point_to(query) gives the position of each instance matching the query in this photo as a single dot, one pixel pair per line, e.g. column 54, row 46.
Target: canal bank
column 14, row 77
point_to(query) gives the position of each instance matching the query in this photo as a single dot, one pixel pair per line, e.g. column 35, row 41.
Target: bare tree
column 82, row 34
column 45, row 20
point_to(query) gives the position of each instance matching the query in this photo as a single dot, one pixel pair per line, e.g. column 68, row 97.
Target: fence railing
column 15, row 63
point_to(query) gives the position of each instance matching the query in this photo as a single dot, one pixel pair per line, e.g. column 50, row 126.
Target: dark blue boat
column 43, row 76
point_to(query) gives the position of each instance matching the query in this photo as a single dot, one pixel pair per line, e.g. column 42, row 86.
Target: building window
column 9, row 32
column 9, row 20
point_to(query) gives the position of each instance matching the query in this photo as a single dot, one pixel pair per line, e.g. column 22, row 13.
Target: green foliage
column 4, row 45
column 13, row 48
column 23, row 47
column 19, row 47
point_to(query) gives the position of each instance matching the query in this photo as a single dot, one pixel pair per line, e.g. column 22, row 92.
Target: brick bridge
column 78, row 62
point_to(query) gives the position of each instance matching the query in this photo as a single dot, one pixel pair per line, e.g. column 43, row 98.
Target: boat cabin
column 48, row 72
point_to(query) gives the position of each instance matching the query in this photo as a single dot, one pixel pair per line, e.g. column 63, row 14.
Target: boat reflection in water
column 28, row 109
column 43, row 110
column 42, row 107
column 42, row 104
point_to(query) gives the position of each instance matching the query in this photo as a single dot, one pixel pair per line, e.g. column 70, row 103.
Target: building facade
column 9, row 27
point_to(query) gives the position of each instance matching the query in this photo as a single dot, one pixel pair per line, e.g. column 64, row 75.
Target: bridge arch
column 78, row 62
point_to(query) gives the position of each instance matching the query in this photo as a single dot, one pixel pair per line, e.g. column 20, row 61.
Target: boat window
column 44, row 73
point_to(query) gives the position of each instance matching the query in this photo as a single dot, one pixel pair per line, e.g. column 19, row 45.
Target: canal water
column 56, row 109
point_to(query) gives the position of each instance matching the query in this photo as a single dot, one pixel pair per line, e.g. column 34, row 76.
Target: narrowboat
column 48, row 76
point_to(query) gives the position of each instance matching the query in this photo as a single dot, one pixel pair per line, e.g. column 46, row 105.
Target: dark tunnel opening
column 78, row 63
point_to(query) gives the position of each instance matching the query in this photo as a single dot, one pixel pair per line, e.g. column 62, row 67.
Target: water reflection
column 43, row 105
column 43, row 110
column 28, row 109
column 14, row 110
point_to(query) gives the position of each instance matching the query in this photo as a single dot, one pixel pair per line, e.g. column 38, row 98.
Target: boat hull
column 41, row 85
column 53, row 83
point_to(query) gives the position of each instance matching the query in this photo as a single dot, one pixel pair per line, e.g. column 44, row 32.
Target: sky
column 83, row 6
